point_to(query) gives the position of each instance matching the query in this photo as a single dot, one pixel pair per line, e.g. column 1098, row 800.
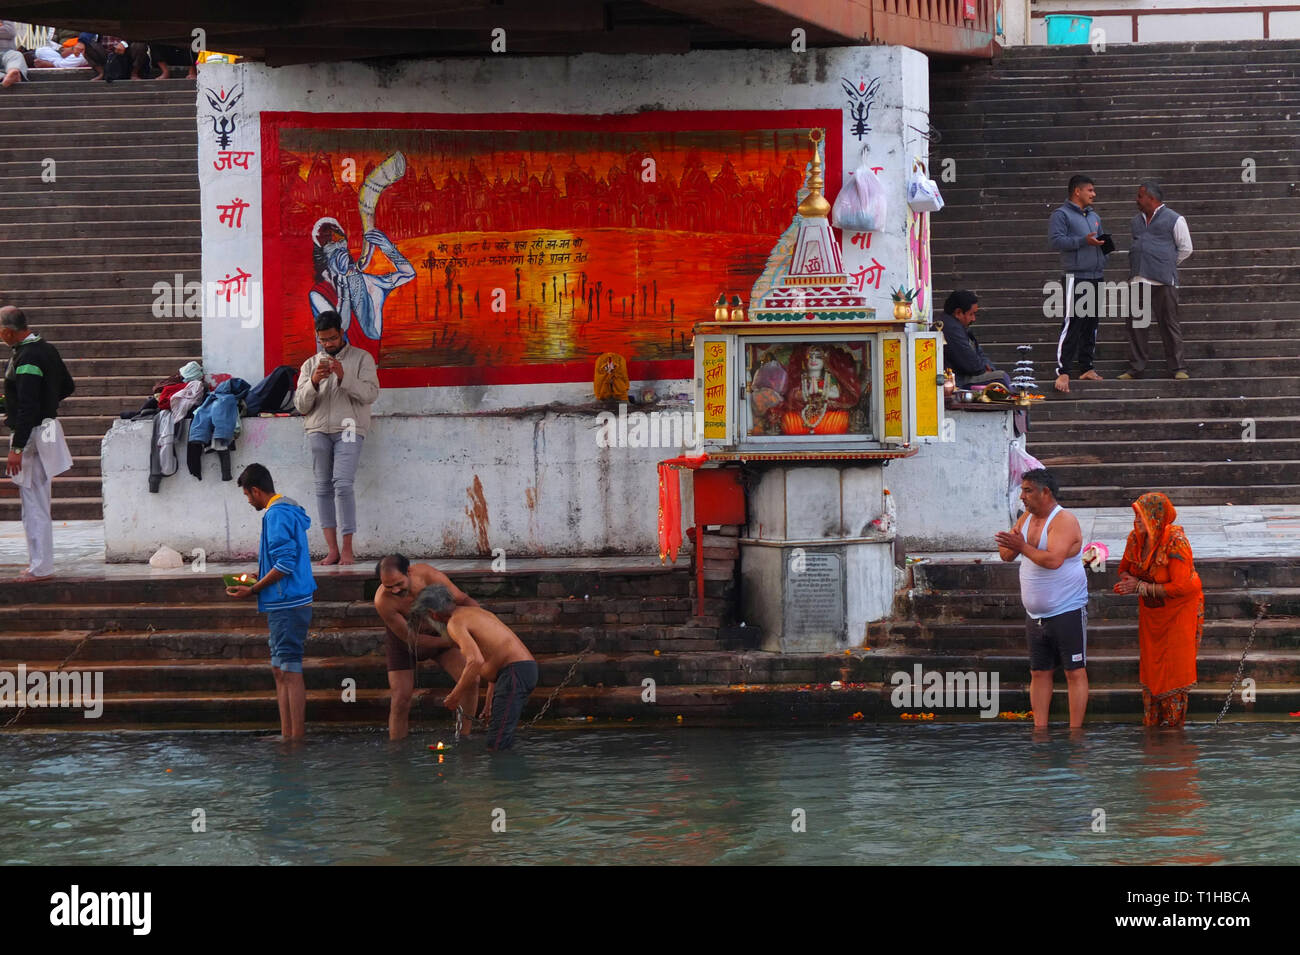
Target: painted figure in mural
column 342, row 283
column 823, row 388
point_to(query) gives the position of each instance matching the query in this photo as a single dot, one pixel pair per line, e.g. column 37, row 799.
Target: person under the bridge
column 1157, row 567
column 13, row 65
column 1074, row 230
column 961, row 351
column 35, row 381
column 1054, row 591
column 400, row 582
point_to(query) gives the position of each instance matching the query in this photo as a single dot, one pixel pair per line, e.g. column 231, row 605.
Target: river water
column 959, row 793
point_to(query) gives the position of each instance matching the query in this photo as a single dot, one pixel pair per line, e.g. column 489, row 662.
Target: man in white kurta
column 35, row 381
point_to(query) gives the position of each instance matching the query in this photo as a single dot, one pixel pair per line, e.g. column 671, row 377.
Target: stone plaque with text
column 814, row 612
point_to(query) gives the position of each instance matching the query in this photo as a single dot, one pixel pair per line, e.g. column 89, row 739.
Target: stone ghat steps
column 968, row 606
column 71, row 339
column 35, row 204
column 1231, row 270
column 1207, row 94
column 1171, row 429
column 362, row 640
column 1140, row 451
column 509, row 591
column 1108, row 667
column 132, row 144
column 216, row 611
column 960, row 126
column 1227, row 638
column 1203, row 329
column 70, row 220
column 167, row 232
column 1211, row 377
column 1216, row 573
column 114, row 324
column 57, row 245
column 26, row 274
column 61, row 509
column 1027, row 215
column 1107, row 495
column 1108, row 408
column 732, row 704
column 1228, row 299
column 1200, row 175
column 1035, row 257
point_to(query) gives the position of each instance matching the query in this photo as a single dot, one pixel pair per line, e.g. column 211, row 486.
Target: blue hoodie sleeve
column 1058, row 233
column 282, row 542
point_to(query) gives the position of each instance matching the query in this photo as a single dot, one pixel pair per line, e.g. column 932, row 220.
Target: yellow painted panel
column 927, row 392
column 715, row 390
column 893, row 362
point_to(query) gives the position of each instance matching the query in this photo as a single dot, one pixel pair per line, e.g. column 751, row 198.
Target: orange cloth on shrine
column 610, row 381
column 670, row 504
column 833, row 422
column 1169, row 628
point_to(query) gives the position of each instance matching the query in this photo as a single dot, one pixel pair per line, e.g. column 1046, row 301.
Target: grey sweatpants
column 334, row 464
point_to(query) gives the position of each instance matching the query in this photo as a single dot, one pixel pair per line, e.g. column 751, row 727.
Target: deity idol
column 822, row 390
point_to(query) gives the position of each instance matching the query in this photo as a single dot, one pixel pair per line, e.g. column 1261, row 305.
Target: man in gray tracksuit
column 1073, row 231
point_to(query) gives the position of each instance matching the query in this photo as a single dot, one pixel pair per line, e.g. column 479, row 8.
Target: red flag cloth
column 670, row 504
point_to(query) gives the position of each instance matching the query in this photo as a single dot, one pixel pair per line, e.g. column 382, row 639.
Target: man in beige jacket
column 336, row 388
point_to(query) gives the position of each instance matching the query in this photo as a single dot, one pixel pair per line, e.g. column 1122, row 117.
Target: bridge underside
column 283, row 34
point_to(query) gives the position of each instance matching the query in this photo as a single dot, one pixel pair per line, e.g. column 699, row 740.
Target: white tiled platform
column 1259, row 530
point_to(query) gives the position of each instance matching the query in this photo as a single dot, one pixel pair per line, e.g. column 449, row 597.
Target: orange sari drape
column 1169, row 628
column 670, row 504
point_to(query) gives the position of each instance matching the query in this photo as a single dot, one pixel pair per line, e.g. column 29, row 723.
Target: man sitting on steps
column 962, row 352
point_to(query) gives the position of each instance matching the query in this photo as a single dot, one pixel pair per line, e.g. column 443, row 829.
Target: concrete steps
column 172, row 654
column 1186, row 114
column 86, row 282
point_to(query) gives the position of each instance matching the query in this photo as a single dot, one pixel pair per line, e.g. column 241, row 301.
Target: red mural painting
column 510, row 249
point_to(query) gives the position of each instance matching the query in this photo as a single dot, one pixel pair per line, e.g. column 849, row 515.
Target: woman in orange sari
column 1157, row 566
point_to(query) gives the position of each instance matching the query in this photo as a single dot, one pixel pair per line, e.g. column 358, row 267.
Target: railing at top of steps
column 32, row 37
column 954, row 27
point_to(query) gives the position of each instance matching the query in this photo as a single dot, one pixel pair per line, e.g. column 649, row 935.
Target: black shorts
column 1060, row 641
column 514, row 684
column 398, row 652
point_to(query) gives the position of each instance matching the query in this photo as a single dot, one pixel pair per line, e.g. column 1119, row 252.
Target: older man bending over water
column 491, row 649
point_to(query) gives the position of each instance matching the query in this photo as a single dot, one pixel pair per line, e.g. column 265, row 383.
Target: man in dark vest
column 1160, row 244
column 36, row 380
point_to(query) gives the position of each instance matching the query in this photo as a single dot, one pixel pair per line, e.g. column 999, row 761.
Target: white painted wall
column 953, row 495
column 702, row 80
column 548, row 489
column 416, row 471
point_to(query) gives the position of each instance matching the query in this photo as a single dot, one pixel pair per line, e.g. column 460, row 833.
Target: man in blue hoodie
column 1075, row 231
column 284, row 589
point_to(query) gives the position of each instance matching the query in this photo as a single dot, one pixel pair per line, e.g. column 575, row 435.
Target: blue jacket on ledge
column 284, row 547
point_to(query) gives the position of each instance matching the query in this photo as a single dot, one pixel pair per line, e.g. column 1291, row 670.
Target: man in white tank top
column 1054, row 590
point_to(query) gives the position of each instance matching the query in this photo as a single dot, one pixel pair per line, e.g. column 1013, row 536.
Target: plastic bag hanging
column 861, row 205
column 922, row 191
